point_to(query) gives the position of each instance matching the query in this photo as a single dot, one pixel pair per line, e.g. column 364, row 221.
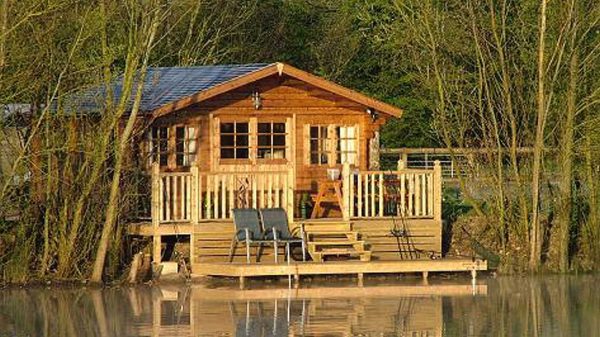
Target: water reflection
column 507, row 306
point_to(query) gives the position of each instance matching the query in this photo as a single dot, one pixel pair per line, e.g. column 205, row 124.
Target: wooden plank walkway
column 338, row 268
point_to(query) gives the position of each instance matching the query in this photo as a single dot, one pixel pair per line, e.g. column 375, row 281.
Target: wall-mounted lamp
column 256, row 100
column 373, row 113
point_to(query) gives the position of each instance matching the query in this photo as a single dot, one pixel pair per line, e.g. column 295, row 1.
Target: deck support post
column 473, row 274
column 360, row 279
column 242, row 282
column 156, row 248
column 425, row 275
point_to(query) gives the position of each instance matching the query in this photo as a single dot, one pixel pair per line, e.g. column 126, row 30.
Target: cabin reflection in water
column 342, row 311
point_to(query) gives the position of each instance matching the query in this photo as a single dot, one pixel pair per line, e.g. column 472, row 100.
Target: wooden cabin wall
column 284, row 99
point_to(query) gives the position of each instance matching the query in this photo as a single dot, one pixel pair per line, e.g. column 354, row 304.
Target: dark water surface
column 503, row 306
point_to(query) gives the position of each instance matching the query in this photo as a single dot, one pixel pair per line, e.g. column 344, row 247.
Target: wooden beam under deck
column 338, row 268
column 146, row 229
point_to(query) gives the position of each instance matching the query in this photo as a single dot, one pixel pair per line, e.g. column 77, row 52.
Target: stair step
column 336, row 243
column 314, row 236
column 338, row 251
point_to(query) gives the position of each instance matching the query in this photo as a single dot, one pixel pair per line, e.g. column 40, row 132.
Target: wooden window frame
column 235, row 134
column 330, row 144
column 155, row 143
column 271, row 145
column 322, row 140
column 189, row 151
column 338, row 144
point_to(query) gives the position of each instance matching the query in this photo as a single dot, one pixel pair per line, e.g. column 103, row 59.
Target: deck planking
column 338, row 268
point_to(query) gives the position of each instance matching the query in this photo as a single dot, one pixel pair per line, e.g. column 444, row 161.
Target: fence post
column 155, row 205
column 346, row 197
column 437, row 191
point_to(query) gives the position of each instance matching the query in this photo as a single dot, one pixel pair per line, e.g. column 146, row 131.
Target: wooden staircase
column 328, row 238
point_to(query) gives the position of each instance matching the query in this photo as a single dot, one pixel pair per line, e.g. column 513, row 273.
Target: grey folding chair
column 276, row 227
column 248, row 230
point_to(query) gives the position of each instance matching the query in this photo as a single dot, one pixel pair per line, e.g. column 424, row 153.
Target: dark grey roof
column 164, row 85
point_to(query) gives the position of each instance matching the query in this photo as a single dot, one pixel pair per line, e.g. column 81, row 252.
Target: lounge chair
column 276, row 227
column 248, row 230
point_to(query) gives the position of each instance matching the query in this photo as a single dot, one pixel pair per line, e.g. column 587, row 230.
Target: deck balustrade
column 189, row 197
column 194, row 196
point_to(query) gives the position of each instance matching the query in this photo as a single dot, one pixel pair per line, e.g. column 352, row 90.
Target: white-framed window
column 347, row 141
column 335, row 143
column 186, row 140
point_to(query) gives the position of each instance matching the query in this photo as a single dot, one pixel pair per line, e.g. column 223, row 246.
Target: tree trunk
column 124, row 138
column 566, row 157
column 535, row 235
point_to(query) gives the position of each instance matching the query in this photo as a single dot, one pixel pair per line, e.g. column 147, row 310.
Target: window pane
column 241, row 140
column 314, row 132
column 278, row 127
column 279, row 140
column 314, row 158
column 179, row 134
column 227, row 153
column 314, row 145
column 241, row 153
column 179, row 159
column 278, row 153
column 241, row 127
column 264, row 140
column 163, row 160
column 227, row 140
column 263, row 153
column 264, row 127
column 163, row 145
column 226, row 127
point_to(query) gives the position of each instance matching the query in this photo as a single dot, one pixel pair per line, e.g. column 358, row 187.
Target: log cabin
column 271, row 135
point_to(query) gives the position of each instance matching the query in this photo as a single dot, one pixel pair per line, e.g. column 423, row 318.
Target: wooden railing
column 193, row 196
column 407, row 193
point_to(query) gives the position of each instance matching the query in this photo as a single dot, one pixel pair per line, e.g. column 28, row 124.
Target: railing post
column 346, row 197
column 290, row 194
column 194, row 195
column 437, row 191
column 194, row 202
column 155, row 196
column 155, row 213
column 401, row 178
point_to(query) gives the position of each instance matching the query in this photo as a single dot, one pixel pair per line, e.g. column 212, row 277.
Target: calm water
column 505, row 306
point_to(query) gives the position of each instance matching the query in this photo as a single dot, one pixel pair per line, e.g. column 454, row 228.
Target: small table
column 329, row 191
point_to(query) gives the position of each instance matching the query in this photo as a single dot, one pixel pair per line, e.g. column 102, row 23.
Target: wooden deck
column 338, row 268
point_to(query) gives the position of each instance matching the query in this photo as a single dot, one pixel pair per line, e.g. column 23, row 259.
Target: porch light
column 256, row 100
column 373, row 113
